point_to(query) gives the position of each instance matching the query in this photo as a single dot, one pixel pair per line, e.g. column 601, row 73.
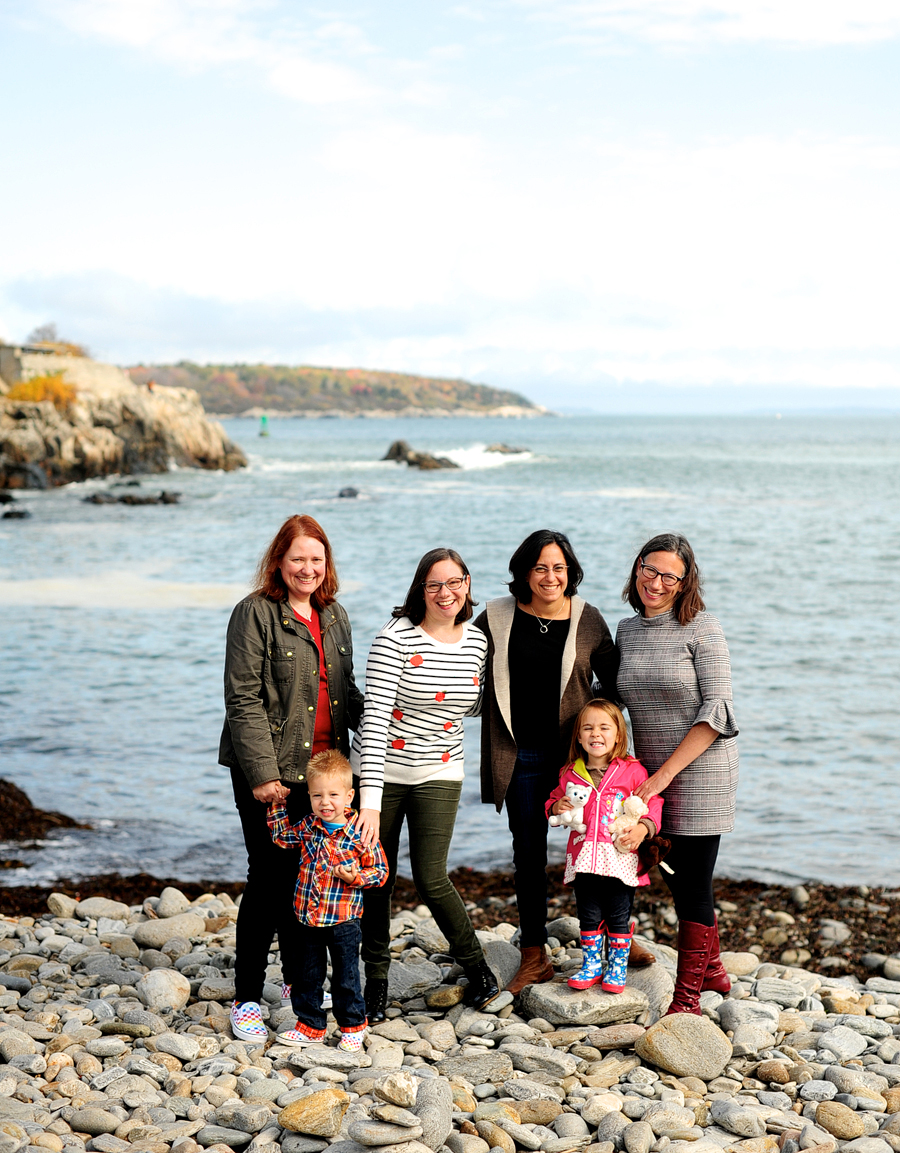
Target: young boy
column 334, row 869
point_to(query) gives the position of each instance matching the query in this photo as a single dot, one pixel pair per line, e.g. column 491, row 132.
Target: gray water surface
column 113, row 618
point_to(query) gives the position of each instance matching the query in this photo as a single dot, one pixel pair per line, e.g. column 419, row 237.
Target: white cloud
column 199, row 34
column 702, row 22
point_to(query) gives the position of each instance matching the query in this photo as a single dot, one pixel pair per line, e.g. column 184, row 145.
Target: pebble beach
column 114, row 1036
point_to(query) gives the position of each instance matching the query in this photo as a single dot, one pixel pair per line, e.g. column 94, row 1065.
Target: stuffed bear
column 633, row 808
column 574, row 818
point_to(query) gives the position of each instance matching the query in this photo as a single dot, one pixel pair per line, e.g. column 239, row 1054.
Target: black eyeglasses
column 454, row 584
column 669, row 579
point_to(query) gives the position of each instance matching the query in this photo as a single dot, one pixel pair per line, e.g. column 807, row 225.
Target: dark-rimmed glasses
column 454, row 584
column 669, row 579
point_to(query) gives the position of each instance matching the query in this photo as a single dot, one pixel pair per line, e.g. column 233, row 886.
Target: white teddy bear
column 573, row 818
column 633, row 808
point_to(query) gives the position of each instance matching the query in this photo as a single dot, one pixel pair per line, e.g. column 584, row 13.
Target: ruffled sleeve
column 713, row 667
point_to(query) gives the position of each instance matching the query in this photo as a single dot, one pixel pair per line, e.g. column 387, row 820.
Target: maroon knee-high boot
column 694, row 943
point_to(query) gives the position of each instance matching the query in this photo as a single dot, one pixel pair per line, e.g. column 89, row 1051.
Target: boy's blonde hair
column 329, row 763
column 612, row 711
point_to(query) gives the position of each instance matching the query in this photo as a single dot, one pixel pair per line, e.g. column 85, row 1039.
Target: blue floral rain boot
column 591, row 970
column 616, row 972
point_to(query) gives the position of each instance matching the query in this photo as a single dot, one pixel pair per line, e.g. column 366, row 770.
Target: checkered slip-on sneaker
column 286, row 998
column 247, row 1023
column 301, row 1035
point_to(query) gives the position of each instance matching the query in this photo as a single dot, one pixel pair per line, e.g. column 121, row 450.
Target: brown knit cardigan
column 589, row 652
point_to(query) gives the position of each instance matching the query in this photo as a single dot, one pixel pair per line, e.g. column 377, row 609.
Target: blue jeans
column 535, row 776
column 342, row 942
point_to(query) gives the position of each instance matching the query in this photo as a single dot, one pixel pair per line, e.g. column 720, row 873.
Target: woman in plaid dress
column 675, row 679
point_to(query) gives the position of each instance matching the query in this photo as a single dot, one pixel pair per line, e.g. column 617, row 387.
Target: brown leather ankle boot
column 639, row 957
column 535, row 969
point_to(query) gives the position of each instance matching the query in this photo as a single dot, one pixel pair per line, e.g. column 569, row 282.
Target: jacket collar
column 500, row 614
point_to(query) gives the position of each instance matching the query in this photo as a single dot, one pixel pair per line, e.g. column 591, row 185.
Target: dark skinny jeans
column 267, row 906
column 535, row 776
column 693, row 861
column 430, row 814
column 605, row 900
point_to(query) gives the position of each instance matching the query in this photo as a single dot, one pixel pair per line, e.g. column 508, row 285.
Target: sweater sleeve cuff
column 370, row 797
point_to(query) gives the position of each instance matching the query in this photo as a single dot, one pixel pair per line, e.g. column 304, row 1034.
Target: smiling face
column 548, row 580
column 656, row 596
column 597, row 735
column 329, row 796
column 303, row 568
column 444, row 605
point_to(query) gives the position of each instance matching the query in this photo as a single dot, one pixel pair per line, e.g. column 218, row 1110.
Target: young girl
column 604, row 870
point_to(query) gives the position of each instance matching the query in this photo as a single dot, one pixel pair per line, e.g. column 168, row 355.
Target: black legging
column 692, row 861
column 267, row 905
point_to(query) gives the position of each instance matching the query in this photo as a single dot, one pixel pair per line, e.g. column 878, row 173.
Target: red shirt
column 323, row 735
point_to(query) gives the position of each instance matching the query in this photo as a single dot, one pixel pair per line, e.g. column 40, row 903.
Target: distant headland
column 252, row 390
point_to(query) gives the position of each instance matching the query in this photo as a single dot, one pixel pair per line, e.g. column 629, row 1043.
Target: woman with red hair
column 289, row 694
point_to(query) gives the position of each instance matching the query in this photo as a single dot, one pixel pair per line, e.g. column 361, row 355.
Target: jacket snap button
column 290, row 654
column 310, row 708
column 284, row 622
column 334, row 702
column 306, row 744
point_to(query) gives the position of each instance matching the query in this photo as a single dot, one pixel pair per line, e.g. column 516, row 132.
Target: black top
column 535, row 670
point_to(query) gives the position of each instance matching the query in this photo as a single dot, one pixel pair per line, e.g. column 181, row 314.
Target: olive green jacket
column 272, row 688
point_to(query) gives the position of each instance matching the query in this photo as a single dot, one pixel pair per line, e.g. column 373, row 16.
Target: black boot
column 483, row 987
column 376, row 999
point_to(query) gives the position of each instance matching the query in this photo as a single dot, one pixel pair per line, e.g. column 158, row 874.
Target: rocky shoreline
column 109, row 426
column 114, row 1036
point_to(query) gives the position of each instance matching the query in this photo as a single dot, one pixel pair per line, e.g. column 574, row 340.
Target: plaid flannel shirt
column 321, row 898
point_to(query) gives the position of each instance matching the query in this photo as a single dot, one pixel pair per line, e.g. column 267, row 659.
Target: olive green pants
column 430, row 813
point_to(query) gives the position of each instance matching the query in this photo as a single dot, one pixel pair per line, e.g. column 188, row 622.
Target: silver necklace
column 546, row 627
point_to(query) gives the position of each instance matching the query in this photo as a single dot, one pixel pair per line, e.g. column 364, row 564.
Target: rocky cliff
column 110, row 425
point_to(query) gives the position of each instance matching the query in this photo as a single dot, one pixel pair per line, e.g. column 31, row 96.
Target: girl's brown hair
column 689, row 600
column 612, row 711
column 269, row 582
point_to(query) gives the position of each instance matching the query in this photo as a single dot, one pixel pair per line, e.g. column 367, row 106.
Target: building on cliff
column 99, row 423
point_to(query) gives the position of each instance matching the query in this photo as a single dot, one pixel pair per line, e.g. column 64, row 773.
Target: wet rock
column 406, row 981
column 843, row 1042
column 490, row 1066
column 155, row 934
column 561, row 1005
column 466, row 1143
column 371, row 1133
column 687, row 1046
column 434, row 1109
column 211, row 1135
column 94, row 1121
column 841, row 1122
column 319, row 1114
column 495, row 1137
column 164, row 989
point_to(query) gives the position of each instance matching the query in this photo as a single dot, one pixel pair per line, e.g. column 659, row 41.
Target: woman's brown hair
column 612, row 711
column 689, row 600
column 269, row 582
column 413, row 606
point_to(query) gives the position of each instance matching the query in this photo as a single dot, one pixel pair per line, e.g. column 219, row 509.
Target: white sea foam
column 477, row 457
column 123, row 590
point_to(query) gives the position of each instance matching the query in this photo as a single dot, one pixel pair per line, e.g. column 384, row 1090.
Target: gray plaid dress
column 672, row 677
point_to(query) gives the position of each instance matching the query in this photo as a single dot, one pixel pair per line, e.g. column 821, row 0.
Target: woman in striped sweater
column 424, row 674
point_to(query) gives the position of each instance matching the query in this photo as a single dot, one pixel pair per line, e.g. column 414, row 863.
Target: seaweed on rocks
column 21, row 821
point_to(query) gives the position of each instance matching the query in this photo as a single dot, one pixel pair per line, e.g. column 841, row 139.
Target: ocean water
column 113, row 618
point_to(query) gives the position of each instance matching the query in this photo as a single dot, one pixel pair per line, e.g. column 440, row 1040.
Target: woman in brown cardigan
column 545, row 647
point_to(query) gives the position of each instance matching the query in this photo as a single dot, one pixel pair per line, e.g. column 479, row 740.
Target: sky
column 607, row 204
